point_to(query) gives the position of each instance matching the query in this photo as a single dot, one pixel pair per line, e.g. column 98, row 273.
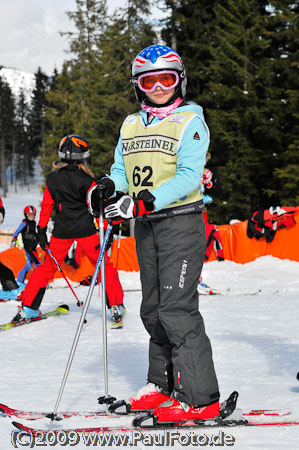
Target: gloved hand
column 42, row 237
column 2, row 214
column 13, row 242
column 127, row 208
column 207, row 179
column 107, row 185
column 93, row 196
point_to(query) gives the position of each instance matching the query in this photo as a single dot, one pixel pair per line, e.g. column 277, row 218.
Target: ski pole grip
column 100, row 189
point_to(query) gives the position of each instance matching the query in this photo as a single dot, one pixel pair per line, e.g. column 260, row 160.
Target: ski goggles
column 165, row 79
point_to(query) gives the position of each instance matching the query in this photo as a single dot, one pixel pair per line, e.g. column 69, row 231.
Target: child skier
column 29, row 236
column 66, row 191
column 159, row 161
column 9, row 285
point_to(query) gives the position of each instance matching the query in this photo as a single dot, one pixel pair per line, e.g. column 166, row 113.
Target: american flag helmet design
column 158, row 57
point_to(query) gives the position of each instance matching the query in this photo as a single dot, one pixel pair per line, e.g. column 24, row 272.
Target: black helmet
column 73, row 148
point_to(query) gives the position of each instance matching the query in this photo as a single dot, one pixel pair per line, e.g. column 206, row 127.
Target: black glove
column 42, row 237
column 2, row 214
column 107, row 185
column 93, row 196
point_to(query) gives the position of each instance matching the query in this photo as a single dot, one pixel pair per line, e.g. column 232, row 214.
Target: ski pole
column 61, row 271
column 106, row 398
column 81, row 322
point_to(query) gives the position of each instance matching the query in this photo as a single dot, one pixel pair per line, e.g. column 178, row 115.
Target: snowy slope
column 255, row 342
column 19, row 80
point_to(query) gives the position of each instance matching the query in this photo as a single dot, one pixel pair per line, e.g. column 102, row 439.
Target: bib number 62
column 142, row 177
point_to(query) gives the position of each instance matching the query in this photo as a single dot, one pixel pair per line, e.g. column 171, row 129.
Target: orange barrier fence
column 125, row 258
column 14, row 258
column 241, row 249
column 237, row 247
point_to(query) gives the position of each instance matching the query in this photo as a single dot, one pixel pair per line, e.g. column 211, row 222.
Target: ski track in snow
column 255, row 341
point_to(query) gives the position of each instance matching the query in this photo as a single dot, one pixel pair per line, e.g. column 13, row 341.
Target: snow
column 254, row 337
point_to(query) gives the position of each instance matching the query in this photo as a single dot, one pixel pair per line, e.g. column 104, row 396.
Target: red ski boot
column 147, row 398
column 174, row 411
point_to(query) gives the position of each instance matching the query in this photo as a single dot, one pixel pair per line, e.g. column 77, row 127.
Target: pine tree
column 283, row 24
column 113, row 97
column 239, row 112
column 189, row 29
column 59, row 115
column 68, row 110
column 21, row 147
column 93, row 95
column 7, row 116
column 241, row 59
column 37, row 122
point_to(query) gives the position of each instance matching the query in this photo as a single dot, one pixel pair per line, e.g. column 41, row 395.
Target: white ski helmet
column 157, row 58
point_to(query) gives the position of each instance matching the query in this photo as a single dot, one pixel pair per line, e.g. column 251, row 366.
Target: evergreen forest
column 241, row 58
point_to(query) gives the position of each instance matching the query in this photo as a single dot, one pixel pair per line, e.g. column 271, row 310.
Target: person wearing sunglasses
column 159, row 162
column 65, row 193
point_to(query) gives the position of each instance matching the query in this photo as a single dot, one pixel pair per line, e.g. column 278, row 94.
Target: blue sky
column 29, row 32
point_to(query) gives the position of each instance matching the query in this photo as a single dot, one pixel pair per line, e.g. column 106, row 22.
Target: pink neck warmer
column 162, row 111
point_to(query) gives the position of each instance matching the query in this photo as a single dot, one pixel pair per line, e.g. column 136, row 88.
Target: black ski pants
column 7, row 278
column 170, row 254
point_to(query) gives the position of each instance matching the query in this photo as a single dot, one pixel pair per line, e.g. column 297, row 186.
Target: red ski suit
column 66, row 191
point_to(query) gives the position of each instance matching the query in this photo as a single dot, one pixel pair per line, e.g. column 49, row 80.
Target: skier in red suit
column 66, row 192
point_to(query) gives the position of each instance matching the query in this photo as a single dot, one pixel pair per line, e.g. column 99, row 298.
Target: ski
column 204, row 289
column 228, row 291
column 117, row 324
column 74, row 285
column 232, row 421
column 211, row 291
column 59, row 311
column 37, row 415
column 120, row 408
column 132, row 290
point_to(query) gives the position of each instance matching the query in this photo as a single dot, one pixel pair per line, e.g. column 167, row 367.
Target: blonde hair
column 56, row 165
